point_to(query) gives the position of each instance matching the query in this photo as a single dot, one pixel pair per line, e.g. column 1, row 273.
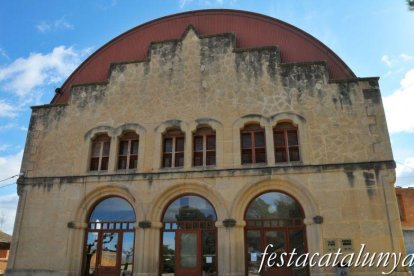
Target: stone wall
column 195, row 78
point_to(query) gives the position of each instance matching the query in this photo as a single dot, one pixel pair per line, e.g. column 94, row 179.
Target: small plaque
column 209, row 260
column 330, row 245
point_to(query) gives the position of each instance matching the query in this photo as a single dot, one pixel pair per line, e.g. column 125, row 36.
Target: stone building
column 405, row 199
column 5, row 240
column 187, row 144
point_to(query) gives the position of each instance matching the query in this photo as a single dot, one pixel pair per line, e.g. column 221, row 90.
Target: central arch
column 188, row 243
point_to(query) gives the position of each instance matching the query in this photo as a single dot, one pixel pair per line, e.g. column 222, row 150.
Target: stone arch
column 95, row 196
column 300, row 122
column 239, row 124
column 140, row 130
column 98, row 130
column 81, row 215
column 289, row 186
column 250, row 118
column 161, row 202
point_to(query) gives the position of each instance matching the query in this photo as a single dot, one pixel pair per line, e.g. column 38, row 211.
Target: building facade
column 5, row 240
column 405, row 198
column 187, row 144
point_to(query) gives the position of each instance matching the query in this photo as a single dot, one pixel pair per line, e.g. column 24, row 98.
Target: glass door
column 187, row 261
column 109, row 256
column 279, row 241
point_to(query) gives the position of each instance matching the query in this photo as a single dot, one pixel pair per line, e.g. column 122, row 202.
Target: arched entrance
column 189, row 238
column 274, row 218
column 109, row 242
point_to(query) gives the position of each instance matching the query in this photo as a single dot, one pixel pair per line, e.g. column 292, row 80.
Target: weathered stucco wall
column 208, row 78
column 345, row 174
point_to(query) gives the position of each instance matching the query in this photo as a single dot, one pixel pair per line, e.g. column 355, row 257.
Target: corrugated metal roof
column 251, row 30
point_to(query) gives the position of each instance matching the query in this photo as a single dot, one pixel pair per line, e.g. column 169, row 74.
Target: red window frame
column 173, row 149
column 204, row 147
column 286, row 143
column 128, row 151
column 100, row 149
column 253, row 144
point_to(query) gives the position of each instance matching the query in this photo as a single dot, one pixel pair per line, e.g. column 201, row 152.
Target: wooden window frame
column 174, row 135
column 100, row 139
column 128, row 137
column 253, row 129
column 204, row 133
column 286, row 147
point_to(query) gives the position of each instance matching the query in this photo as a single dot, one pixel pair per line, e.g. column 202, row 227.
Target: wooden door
column 188, row 251
column 279, row 240
column 109, row 254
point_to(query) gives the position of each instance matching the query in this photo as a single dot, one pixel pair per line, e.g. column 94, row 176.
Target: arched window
column 286, row 142
column 173, row 148
column 274, row 218
column 100, row 153
column 204, row 147
column 189, row 238
column 128, row 151
column 109, row 243
column 253, row 144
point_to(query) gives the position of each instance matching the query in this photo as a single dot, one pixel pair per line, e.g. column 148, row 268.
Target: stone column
column 149, row 256
column 230, row 247
column 188, row 149
column 270, row 149
column 113, row 154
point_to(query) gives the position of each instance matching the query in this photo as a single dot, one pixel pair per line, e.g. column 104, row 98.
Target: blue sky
column 42, row 42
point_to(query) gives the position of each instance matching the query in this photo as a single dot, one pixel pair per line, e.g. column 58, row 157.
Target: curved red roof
column 251, row 30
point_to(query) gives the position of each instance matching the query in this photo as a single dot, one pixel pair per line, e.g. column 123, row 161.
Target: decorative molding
column 144, row 224
column 229, row 222
column 318, row 219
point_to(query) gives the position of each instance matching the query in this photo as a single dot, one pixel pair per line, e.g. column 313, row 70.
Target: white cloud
column 107, row 4
column 407, row 167
column 405, row 173
column 393, row 61
column 399, row 106
column 8, row 207
column 4, row 147
column 9, row 126
column 7, row 110
column 9, row 166
column 387, row 60
column 59, row 24
column 3, row 54
column 405, row 57
column 24, row 75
